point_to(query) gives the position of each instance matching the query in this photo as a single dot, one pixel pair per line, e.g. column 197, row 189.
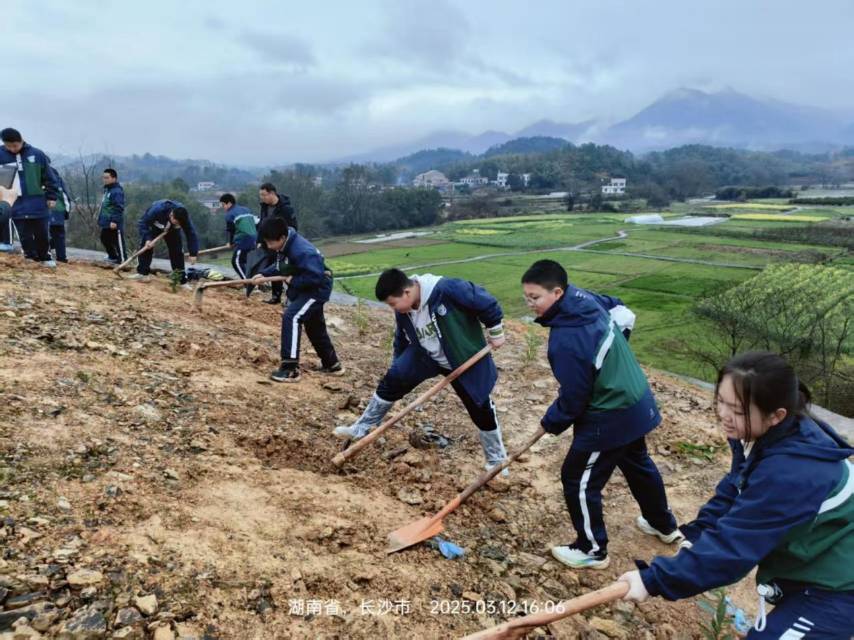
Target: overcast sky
column 261, row 83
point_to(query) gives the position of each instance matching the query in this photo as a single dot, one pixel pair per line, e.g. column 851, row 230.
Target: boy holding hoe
column 438, row 327
column 605, row 396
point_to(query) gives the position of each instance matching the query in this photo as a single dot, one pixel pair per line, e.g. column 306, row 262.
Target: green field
column 660, row 280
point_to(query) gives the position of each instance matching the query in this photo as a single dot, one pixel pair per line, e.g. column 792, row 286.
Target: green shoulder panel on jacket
column 819, row 552
column 462, row 333
column 33, row 173
column 620, row 382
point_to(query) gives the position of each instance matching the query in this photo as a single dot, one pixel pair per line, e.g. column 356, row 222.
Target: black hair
column 227, row 198
column 269, row 187
column 112, row 172
column 391, row 282
column 11, row 135
column 766, row 380
column 273, row 228
column 182, row 217
column 546, row 273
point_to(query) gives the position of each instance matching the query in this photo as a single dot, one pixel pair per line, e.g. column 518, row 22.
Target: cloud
column 278, row 48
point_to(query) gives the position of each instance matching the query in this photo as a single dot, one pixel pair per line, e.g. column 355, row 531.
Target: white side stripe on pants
column 237, row 265
column 121, row 245
column 295, row 328
column 585, row 478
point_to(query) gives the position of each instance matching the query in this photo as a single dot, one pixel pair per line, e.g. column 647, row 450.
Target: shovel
column 219, row 249
column 430, row 526
column 200, row 289
column 520, row 626
column 118, row 269
column 432, row 391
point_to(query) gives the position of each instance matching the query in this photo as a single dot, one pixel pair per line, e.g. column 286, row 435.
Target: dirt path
column 143, row 452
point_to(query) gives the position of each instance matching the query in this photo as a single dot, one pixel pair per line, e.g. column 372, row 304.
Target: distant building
column 501, row 180
column 526, row 178
column 317, row 181
column 616, row 187
column 474, row 180
column 205, row 186
column 433, row 179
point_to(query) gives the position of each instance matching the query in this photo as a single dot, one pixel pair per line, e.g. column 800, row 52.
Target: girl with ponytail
column 786, row 507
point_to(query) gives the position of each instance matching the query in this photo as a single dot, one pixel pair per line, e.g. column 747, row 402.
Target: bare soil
column 143, row 441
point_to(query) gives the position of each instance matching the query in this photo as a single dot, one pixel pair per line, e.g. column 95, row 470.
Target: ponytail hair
column 766, row 380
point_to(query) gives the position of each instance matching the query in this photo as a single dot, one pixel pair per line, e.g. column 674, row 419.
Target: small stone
column 609, row 628
column 128, row 633
column 410, row 496
column 472, row 595
column 87, row 623
column 186, row 631
column 85, row 578
column 163, row 633
column 63, row 504
column 531, row 560
column 25, row 599
column 171, row 474
column 146, row 604
column 127, row 617
column 148, row 412
column 497, row 515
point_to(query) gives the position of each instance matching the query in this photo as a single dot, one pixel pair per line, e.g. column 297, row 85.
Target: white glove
column 637, row 590
column 686, row 544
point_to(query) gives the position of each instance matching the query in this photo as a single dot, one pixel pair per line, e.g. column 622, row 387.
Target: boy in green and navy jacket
column 438, row 327
column 39, row 192
column 605, row 396
column 242, row 233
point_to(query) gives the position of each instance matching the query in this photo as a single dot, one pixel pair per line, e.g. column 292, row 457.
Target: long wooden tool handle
column 518, row 627
column 154, row 241
column 231, row 283
column 213, row 250
column 432, row 391
column 485, row 477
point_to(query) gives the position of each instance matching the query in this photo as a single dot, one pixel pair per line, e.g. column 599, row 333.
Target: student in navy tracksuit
column 309, row 288
column 439, row 325
column 58, row 215
column 605, row 396
column 111, row 217
column 39, row 192
column 152, row 223
column 242, row 234
column 786, row 506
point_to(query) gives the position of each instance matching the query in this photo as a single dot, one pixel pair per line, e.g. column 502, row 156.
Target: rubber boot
column 493, row 449
column 372, row 417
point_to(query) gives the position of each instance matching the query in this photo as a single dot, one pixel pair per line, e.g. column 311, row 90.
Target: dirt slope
column 143, row 452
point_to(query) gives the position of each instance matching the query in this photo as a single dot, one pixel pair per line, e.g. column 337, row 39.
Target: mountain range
column 683, row 116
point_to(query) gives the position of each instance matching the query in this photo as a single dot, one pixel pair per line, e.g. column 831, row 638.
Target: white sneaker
column 6, row 248
column 578, row 559
column 187, row 286
column 667, row 538
column 139, row 277
column 50, row 264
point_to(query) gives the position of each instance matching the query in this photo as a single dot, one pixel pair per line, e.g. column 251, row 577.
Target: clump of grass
column 719, row 626
column 361, row 319
column 174, row 281
column 533, row 342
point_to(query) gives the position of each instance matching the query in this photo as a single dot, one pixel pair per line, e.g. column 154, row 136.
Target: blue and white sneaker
column 666, row 538
column 6, row 248
column 578, row 559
